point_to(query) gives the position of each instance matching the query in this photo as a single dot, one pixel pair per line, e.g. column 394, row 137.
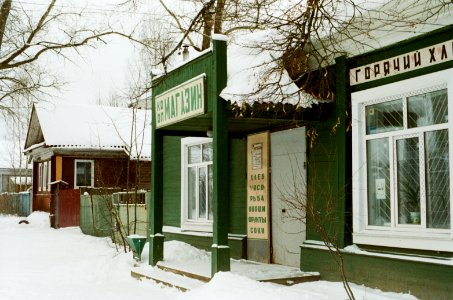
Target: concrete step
column 171, row 279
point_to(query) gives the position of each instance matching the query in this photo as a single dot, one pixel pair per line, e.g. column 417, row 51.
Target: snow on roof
column 386, row 22
column 96, row 127
column 254, row 74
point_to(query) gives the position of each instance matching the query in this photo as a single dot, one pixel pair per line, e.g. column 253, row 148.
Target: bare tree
column 30, row 32
column 304, row 38
column 15, row 119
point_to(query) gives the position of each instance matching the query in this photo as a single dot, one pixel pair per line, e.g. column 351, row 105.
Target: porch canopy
column 213, row 94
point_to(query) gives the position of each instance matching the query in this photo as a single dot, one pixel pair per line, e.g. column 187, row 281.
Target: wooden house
column 392, row 210
column 75, row 146
column 352, row 167
column 211, row 174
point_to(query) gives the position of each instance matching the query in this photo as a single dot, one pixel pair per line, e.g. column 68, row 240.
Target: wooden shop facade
column 373, row 176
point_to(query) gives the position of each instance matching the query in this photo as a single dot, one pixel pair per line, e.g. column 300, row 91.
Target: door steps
column 181, row 282
column 182, row 277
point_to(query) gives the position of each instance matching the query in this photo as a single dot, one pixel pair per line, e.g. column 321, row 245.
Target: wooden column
column 343, row 149
column 220, row 260
column 155, row 207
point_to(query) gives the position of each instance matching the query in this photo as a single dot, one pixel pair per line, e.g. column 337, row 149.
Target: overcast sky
column 101, row 71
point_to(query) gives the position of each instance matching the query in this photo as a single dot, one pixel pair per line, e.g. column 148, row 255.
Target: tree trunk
column 219, row 16
column 4, row 13
column 207, row 28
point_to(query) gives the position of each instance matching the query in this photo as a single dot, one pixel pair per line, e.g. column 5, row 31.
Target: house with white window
column 396, row 203
column 76, row 146
column 370, row 174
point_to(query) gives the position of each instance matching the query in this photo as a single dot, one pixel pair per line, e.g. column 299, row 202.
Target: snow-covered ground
column 37, row 262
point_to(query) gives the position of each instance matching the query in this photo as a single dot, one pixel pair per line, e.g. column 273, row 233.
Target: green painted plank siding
column 329, row 171
column 325, row 187
column 322, row 180
column 422, row 279
column 238, row 186
column 200, row 65
column 172, row 181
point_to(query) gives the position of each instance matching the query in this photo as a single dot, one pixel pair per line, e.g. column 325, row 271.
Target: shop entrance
column 288, row 195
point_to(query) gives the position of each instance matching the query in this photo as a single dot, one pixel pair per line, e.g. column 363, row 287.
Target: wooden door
column 69, row 208
column 288, row 195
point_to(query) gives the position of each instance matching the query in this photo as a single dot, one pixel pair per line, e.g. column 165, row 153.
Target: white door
column 288, row 195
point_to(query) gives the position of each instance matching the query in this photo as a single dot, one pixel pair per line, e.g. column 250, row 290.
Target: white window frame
column 40, row 167
column 44, row 176
column 44, row 172
column 75, row 173
column 400, row 236
column 49, row 172
column 186, row 223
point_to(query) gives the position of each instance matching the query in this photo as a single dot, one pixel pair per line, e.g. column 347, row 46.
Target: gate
column 69, row 208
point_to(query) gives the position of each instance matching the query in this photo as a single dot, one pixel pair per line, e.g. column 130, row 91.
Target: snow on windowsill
column 178, row 230
column 354, row 249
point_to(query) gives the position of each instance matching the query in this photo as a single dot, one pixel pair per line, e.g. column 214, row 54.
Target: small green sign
column 181, row 102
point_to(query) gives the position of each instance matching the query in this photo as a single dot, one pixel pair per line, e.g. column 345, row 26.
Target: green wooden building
column 368, row 173
column 211, row 179
column 393, row 219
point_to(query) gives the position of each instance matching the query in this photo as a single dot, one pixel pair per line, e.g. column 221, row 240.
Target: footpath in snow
column 38, row 262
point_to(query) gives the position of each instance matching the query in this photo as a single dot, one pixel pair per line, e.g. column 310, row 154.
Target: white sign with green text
column 181, row 102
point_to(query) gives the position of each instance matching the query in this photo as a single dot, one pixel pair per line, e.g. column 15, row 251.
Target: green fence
column 16, row 203
column 113, row 213
column 95, row 215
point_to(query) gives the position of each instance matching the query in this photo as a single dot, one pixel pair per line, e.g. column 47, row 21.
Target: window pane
column 202, row 192
column 40, row 177
column 194, row 154
column 207, row 152
column 408, row 176
column 49, row 168
column 210, row 188
column 192, row 190
column 384, row 117
column 378, row 174
column 44, row 177
column 437, row 179
column 427, row 109
column 83, row 177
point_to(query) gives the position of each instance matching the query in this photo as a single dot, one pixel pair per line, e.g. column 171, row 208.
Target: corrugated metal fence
column 16, row 203
column 107, row 214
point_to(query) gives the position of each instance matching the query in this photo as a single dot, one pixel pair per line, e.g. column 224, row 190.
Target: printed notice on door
column 258, row 186
column 257, row 156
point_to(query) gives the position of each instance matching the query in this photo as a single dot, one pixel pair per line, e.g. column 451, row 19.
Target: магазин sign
column 181, row 102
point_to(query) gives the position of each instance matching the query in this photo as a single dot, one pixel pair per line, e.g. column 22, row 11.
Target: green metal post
column 220, row 260
column 155, row 211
